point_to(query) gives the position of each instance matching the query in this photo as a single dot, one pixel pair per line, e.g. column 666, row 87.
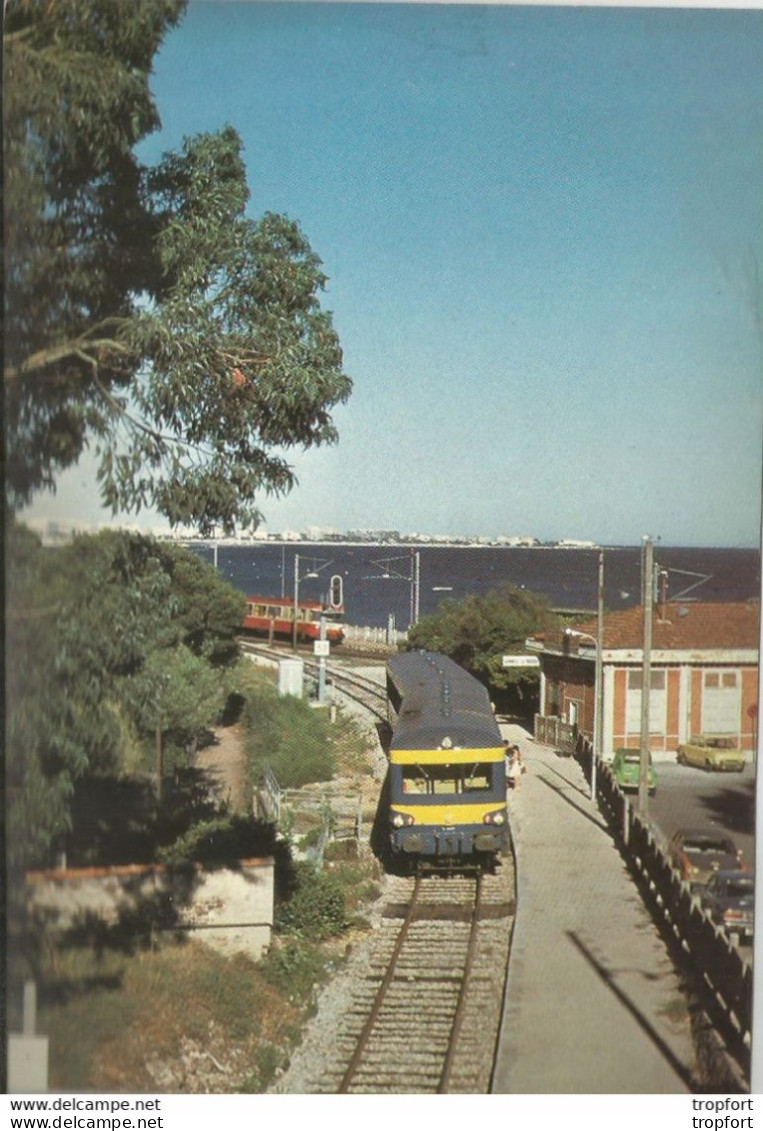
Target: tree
column 208, row 611
column 174, row 697
column 147, row 315
column 479, row 630
column 107, row 639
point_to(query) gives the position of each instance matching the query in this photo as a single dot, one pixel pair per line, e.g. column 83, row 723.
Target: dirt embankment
column 224, row 763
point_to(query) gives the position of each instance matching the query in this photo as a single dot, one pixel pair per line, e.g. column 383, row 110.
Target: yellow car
column 711, row 752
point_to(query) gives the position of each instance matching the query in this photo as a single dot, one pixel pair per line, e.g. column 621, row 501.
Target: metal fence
column 553, row 731
column 267, row 797
column 705, row 945
column 373, row 635
column 327, row 815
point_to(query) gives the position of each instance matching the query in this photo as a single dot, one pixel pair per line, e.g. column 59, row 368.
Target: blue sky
column 541, row 228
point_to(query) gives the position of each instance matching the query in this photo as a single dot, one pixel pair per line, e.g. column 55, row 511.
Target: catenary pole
column 646, row 675
column 296, row 602
column 598, row 718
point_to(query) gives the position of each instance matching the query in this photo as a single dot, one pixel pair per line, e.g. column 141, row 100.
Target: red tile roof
column 682, row 625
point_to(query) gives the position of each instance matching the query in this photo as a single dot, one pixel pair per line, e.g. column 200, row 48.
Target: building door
column 657, row 702
column 721, row 702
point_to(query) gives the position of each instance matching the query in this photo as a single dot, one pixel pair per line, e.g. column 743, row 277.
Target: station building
column 704, row 674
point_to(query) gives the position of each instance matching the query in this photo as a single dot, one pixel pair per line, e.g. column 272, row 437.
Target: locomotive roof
column 440, row 700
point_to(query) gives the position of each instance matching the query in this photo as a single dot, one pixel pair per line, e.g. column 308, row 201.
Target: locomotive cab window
column 447, row 779
column 414, row 780
column 476, row 777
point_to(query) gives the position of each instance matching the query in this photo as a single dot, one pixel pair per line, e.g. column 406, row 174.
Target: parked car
column 712, row 752
column 730, row 900
column 697, row 853
column 626, row 768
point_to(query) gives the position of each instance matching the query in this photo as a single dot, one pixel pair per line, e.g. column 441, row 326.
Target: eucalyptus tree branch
column 43, row 359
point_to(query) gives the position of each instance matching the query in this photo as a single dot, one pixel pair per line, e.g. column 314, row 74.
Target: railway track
column 424, row 1007
column 368, row 692
column 425, row 1012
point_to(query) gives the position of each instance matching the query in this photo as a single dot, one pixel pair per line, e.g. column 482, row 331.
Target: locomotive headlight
column 498, row 817
column 397, row 820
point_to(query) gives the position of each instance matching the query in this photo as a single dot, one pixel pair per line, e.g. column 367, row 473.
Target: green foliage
column 208, row 611
column 293, row 738
column 478, row 630
column 76, row 100
column 294, row 968
column 147, row 312
column 103, row 635
column 220, row 839
column 316, row 908
column 359, row 879
column 176, row 693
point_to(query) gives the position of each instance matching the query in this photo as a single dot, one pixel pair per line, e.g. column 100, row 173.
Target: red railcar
column 274, row 616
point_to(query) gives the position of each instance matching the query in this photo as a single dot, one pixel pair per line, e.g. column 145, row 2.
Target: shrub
column 221, row 839
column 293, row 738
column 315, row 909
column 294, row 969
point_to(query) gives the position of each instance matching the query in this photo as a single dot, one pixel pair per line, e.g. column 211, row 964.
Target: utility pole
column 415, row 585
column 598, row 718
column 322, row 663
column 647, row 596
column 296, row 603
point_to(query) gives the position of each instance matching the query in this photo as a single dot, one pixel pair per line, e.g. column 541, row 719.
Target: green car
column 626, row 768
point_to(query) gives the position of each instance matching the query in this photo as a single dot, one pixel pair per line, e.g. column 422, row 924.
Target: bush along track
column 126, row 1016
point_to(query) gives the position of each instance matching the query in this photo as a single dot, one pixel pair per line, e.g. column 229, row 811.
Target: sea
column 387, row 583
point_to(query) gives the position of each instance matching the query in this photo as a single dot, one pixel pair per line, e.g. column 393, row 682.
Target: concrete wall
column 230, row 908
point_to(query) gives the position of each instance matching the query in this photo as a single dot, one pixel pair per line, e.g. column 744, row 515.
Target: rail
column 361, row 689
column 454, row 940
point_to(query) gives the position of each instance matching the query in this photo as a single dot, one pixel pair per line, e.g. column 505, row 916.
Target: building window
column 656, row 680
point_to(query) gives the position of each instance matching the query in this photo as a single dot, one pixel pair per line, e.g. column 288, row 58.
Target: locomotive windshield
column 450, row 779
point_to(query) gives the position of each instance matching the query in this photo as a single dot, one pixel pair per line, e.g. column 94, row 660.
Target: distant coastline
column 455, row 544
column 56, row 532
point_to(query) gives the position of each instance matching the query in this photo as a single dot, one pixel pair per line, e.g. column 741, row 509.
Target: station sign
column 321, row 647
column 520, row 662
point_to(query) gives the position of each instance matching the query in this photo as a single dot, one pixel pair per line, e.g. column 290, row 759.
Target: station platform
column 593, row 1001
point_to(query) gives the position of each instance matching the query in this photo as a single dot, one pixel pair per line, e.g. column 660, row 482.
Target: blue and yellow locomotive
column 447, row 775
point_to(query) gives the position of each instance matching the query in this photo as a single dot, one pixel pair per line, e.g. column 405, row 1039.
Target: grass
column 184, row 1018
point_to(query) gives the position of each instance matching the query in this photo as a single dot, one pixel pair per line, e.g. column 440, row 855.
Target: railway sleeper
column 387, row 1075
column 440, row 1006
column 436, row 1028
column 428, row 1029
column 389, row 1056
column 421, row 1066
